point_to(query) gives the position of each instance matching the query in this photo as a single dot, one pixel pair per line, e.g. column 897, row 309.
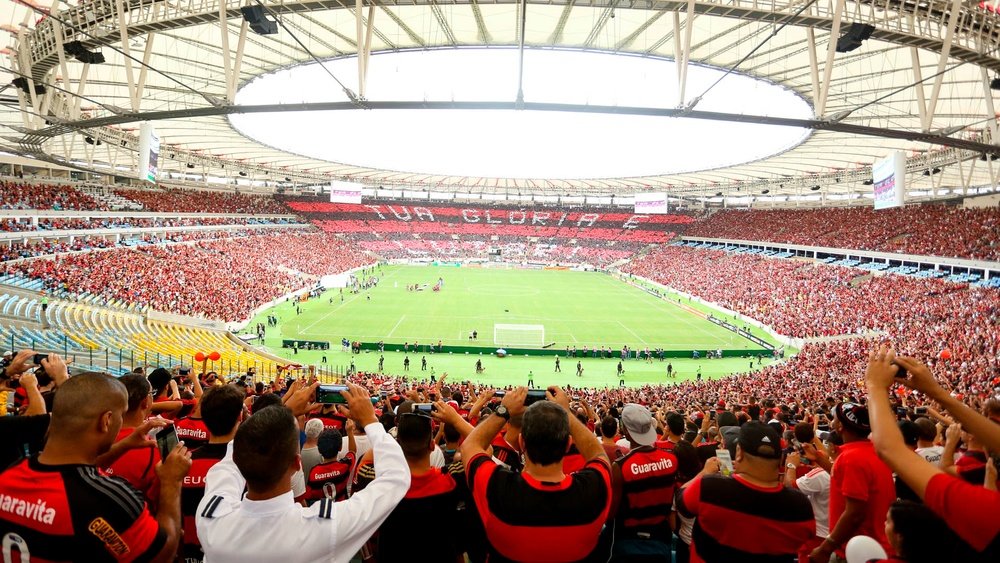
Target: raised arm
column 445, row 414
column 357, row 518
column 921, row 379
column 480, row 438
column 586, row 442
column 913, row 469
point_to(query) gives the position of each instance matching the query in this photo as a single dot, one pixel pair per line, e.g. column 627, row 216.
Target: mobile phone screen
column 330, row 395
column 533, row 396
column 166, row 440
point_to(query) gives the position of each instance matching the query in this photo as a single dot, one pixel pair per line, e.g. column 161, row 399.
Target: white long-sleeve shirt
column 233, row 529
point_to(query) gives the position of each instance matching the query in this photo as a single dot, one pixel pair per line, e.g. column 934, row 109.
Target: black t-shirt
column 21, row 436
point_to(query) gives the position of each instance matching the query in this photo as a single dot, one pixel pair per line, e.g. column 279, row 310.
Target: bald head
column 83, row 399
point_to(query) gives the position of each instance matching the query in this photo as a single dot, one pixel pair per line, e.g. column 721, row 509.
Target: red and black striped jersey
column 192, row 431
column 192, row 491
column 330, row 479
column 73, row 513
column 648, row 479
column 530, row 520
column 138, row 467
column 429, row 510
column 741, row 521
column 331, row 420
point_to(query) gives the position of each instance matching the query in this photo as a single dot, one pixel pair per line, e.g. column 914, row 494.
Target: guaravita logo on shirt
column 34, row 510
column 641, row 468
column 107, row 534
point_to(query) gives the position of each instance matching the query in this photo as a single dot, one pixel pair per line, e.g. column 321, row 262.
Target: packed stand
column 245, row 272
column 915, row 229
column 300, row 471
column 582, row 234
column 16, row 194
column 192, row 201
column 18, row 250
column 82, row 224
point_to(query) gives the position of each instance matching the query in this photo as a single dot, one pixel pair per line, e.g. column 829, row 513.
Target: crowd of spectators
column 42, row 247
column 225, row 279
column 16, row 194
column 923, row 317
column 193, row 201
column 80, row 224
column 512, row 249
column 930, row 230
column 554, row 475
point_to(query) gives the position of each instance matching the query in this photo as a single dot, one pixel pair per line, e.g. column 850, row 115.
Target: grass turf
column 577, row 309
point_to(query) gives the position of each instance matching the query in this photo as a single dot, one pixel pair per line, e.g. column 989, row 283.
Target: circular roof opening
column 521, row 144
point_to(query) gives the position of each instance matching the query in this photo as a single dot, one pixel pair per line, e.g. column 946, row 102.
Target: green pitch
column 576, row 308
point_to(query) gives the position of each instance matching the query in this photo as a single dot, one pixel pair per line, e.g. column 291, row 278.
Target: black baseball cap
column 854, row 417
column 759, row 440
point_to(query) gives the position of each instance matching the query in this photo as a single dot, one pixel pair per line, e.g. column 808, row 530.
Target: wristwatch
column 502, row 412
column 790, row 465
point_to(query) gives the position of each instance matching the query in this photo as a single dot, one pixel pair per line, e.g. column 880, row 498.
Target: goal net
column 519, row 336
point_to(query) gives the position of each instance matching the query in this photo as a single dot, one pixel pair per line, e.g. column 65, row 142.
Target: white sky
column 520, row 144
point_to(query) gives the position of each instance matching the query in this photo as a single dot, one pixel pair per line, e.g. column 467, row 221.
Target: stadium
column 552, row 281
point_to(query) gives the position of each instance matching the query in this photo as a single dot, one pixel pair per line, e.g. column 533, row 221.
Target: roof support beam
column 956, row 6
column 402, row 25
column 364, row 29
column 828, row 67
column 129, row 72
column 625, row 43
column 557, row 33
column 685, row 50
column 813, row 62
column 484, row 34
column 918, row 85
column 991, row 122
column 443, row 22
column 233, row 76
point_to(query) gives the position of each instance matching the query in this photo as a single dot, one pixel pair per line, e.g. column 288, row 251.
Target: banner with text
column 345, row 192
column 889, row 180
column 651, row 204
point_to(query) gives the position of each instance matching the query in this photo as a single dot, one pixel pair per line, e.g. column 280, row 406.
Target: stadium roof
column 920, row 83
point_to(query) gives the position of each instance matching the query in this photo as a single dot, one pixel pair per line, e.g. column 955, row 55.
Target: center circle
column 521, row 144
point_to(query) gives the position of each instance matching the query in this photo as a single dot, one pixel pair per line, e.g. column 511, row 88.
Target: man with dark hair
column 688, row 464
column 642, row 484
column 927, row 433
column 329, row 478
column 59, row 507
column 137, row 466
column 540, row 514
column 267, row 525
column 191, row 428
column 609, row 437
column 732, row 522
column 861, row 486
column 431, row 505
column 221, row 411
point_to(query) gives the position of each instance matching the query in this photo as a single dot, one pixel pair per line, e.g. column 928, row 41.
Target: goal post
column 519, row 336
